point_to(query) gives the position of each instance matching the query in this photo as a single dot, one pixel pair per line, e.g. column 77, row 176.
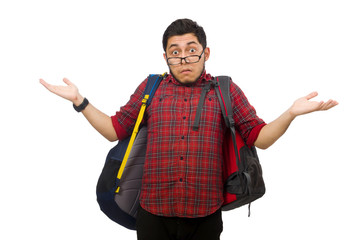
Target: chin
column 187, row 79
column 184, row 79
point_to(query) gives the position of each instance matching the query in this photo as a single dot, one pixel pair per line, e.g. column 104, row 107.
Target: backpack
column 242, row 172
column 119, row 185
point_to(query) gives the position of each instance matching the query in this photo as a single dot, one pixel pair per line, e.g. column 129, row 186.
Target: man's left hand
column 303, row 105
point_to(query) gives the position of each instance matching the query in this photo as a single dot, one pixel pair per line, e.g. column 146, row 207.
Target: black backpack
column 243, row 176
column 119, row 184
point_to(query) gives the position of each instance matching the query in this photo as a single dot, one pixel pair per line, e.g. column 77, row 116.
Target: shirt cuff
column 254, row 133
column 120, row 131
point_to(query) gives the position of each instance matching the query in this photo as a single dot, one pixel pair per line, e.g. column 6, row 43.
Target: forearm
column 271, row 132
column 100, row 121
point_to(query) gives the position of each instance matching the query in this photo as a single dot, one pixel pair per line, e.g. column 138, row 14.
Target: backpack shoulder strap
column 223, row 93
column 221, row 85
column 205, row 90
column 153, row 81
column 222, row 88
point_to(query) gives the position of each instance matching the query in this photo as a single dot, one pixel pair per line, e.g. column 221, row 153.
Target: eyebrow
column 176, row 45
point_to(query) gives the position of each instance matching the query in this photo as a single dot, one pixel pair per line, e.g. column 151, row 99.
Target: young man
column 182, row 189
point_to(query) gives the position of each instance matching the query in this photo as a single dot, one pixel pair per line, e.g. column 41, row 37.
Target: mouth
column 185, row 71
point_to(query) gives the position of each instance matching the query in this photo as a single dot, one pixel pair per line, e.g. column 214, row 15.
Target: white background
column 276, row 51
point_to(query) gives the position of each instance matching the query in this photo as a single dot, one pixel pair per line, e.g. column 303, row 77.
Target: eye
column 175, row 52
column 192, row 50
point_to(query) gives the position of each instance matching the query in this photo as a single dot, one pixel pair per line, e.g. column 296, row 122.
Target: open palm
column 69, row 92
column 303, row 105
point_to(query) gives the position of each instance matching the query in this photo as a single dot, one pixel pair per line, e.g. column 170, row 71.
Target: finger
column 66, row 80
column 329, row 104
column 41, row 81
column 45, row 84
column 320, row 105
column 325, row 105
column 311, row 95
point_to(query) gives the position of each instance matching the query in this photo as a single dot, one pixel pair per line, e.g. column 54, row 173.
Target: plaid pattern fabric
column 183, row 168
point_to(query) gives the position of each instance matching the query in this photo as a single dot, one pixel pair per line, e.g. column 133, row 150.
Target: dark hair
column 184, row 26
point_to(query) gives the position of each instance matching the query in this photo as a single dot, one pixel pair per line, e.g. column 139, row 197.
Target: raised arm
column 100, row 121
column 271, row 132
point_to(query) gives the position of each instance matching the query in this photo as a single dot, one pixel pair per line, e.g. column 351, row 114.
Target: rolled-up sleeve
column 246, row 120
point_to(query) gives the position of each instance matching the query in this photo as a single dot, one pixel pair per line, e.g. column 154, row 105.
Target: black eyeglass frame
column 185, row 58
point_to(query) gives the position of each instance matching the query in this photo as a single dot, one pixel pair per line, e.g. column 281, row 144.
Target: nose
column 184, row 59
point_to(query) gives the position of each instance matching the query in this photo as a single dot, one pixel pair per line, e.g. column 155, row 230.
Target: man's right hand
column 100, row 121
column 69, row 92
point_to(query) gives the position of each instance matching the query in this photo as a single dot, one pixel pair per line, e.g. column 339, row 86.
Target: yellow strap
column 133, row 137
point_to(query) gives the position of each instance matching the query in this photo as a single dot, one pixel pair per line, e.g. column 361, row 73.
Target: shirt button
column 184, row 118
column 182, row 137
column 185, row 99
column 181, row 158
column 181, row 179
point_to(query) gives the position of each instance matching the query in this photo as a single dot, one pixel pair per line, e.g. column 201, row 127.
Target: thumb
column 311, row 95
column 66, row 81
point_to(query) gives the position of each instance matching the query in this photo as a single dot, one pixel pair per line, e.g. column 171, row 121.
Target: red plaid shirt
column 183, row 168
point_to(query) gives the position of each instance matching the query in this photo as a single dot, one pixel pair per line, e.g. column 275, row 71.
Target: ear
column 207, row 53
column 164, row 56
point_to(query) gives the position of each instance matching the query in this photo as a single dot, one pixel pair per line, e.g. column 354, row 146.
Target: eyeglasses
column 188, row 59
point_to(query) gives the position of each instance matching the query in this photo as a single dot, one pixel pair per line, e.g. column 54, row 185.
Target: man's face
column 183, row 46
